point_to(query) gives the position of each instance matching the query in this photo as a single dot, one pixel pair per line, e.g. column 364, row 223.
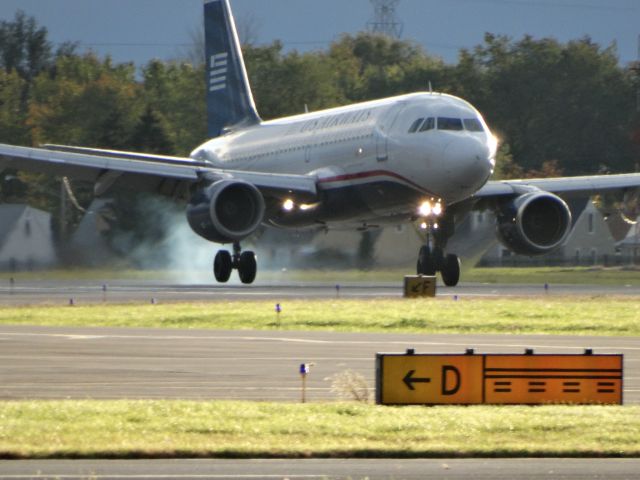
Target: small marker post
column 12, row 284
column 153, row 301
column 305, row 368
column 278, row 311
column 104, row 293
column 72, row 303
column 337, row 291
column 546, row 288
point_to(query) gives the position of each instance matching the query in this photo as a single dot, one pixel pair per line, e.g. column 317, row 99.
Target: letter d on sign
column 450, row 380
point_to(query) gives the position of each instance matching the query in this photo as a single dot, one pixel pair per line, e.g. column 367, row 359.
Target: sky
column 140, row 30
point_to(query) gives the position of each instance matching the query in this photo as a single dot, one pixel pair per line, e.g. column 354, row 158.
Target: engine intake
column 227, row 211
column 534, row 223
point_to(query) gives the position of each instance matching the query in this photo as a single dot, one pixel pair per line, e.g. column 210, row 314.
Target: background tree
column 175, row 92
column 552, row 101
column 284, row 83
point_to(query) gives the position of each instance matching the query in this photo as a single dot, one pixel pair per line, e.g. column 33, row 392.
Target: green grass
column 556, row 275
column 152, row 429
column 540, row 315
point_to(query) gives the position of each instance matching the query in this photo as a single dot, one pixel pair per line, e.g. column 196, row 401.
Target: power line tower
column 385, row 21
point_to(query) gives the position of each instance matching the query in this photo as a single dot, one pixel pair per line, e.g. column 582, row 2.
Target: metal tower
column 385, row 21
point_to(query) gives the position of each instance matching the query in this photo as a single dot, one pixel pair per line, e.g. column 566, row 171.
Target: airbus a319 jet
column 423, row 157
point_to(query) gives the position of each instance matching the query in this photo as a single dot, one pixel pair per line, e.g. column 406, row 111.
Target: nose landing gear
column 432, row 261
column 244, row 262
column 432, row 257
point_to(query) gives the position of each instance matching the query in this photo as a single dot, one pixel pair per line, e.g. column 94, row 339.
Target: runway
column 446, row 469
column 110, row 363
column 59, row 292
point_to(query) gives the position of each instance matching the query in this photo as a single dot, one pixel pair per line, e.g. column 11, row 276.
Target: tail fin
column 229, row 98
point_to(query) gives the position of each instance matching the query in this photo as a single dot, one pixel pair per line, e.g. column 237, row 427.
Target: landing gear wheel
column 247, row 267
column 426, row 262
column 451, row 270
column 222, row 266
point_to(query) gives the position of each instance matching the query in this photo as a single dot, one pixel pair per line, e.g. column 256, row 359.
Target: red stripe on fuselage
column 372, row 173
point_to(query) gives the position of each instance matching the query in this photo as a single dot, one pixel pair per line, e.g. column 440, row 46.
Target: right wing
column 566, row 187
column 172, row 176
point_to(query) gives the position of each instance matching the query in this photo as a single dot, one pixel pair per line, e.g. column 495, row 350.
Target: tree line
column 557, row 108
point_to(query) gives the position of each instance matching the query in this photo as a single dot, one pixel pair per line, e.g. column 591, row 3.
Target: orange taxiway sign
column 429, row 379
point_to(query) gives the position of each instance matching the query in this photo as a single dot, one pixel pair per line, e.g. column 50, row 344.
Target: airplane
column 424, row 157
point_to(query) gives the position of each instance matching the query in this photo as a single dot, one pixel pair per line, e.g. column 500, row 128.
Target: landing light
column 425, row 209
column 288, row 205
column 430, row 208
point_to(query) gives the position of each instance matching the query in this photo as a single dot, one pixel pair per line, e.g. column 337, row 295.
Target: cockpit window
column 415, row 125
column 473, row 125
column 446, row 123
column 429, row 124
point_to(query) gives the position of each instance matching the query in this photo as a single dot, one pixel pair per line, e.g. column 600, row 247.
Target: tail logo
column 218, row 72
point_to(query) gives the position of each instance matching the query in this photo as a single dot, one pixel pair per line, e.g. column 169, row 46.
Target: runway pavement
column 124, row 291
column 446, row 469
column 106, row 363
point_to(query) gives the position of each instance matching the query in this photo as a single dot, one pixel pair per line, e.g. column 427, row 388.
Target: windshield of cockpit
column 446, row 123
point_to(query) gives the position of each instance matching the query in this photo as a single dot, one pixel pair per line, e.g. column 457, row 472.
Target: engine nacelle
column 227, row 211
column 534, row 223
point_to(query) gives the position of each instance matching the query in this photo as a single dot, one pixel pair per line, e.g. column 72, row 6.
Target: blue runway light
column 278, row 308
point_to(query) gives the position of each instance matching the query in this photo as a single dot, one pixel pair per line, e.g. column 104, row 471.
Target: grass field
column 540, row 315
column 153, row 429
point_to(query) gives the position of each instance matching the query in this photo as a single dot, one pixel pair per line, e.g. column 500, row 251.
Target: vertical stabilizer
column 229, row 98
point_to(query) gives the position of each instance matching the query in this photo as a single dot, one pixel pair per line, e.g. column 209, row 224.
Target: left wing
column 566, row 187
column 172, row 176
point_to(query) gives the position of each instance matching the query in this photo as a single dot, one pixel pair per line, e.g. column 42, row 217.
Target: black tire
column 222, row 266
column 426, row 263
column 451, row 270
column 247, row 267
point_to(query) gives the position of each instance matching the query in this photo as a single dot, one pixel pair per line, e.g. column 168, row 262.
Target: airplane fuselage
column 372, row 160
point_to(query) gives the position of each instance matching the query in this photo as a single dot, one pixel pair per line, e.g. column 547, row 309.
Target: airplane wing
column 566, row 187
column 166, row 175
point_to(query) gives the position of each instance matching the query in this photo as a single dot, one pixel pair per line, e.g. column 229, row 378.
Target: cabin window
column 446, row 123
column 473, row 125
column 429, row 124
column 415, row 125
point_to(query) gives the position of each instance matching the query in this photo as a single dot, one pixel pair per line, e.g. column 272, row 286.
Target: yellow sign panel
column 431, row 379
column 409, row 379
column 419, row 286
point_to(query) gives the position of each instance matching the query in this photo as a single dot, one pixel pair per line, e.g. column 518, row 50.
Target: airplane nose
column 468, row 162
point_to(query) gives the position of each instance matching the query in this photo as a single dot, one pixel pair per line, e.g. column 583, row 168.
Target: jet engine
column 227, row 211
column 534, row 223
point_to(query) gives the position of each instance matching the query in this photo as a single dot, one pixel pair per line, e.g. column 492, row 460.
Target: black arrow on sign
column 409, row 380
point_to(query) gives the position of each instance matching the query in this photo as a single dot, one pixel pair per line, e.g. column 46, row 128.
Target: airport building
column 26, row 239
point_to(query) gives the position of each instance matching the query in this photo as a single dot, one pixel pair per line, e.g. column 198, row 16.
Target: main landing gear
column 244, row 262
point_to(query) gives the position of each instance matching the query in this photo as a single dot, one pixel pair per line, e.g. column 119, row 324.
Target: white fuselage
column 382, row 156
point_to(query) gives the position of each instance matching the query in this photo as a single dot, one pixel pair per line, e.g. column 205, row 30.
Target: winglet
column 229, row 98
